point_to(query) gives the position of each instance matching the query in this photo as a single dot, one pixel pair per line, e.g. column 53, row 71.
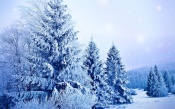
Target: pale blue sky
column 142, row 30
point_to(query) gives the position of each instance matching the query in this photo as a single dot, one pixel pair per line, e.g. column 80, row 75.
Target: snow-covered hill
column 170, row 67
column 138, row 77
column 142, row 101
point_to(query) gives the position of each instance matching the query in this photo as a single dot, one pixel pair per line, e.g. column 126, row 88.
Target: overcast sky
column 142, row 30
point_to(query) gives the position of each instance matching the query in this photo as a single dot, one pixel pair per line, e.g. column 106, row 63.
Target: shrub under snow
column 133, row 92
column 73, row 98
column 67, row 98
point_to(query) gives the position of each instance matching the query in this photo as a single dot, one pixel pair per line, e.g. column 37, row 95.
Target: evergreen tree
column 151, row 83
column 167, row 79
column 59, row 41
column 92, row 64
column 55, row 55
column 116, row 78
column 94, row 68
column 161, row 89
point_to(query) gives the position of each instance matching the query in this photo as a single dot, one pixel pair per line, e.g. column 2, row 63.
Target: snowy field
column 142, row 101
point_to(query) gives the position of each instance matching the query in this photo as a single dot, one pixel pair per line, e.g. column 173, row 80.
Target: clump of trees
column 158, row 85
column 169, row 81
column 138, row 78
column 43, row 65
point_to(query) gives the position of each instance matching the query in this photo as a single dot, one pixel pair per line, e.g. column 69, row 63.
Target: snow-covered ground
column 142, row 101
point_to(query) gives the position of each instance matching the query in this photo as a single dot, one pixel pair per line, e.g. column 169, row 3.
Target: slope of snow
column 142, row 101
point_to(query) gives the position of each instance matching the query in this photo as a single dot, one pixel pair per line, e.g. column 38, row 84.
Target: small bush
column 98, row 106
column 67, row 97
column 133, row 92
column 73, row 98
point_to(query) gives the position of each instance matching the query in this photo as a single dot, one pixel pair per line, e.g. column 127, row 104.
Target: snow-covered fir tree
column 161, row 89
column 116, row 78
column 58, row 40
column 93, row 66
column 151, row 83
column 156, row 85
column 55, row 54
column 168, row 81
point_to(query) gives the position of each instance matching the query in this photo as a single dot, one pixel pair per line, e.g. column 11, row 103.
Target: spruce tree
column 151, row 83
column 93, row 66
column 116, row 78
column 161, row 89
column 167, row 79
column 56, row 53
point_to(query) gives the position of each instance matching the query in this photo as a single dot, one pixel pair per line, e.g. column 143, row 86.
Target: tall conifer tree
column 167, row 79
column 116, row 78
column 93, row 66
column 55, row 56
